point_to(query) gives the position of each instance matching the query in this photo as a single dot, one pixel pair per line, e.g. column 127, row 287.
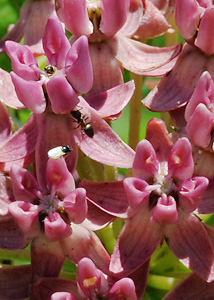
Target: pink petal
column 27, row 217
column 203, row 40
column 188, row 19
column 22, row 60
column 58, row 88
column 107, row 72
column 63, row 296
column 139, row 58
column 75, row 16
column 108, row 196
column 15, row 282
column 7, row 91
column 36, row 102
column 6, row 194
column 145, row 163
column 137, row 241
column 55, row 130
column 76, row 206
column 5, row 124
column 11, row 236
column 165, row 210
column 180, row 163
column 157, row 134
column 105, row 103
column 175, row 89
column 85, row 243
column 14, row 34
column 21, row 144
column 123, row 288
column 55, row 43
column 81, row 78
column 56, row 228
column 105, row 146
column 206, row 205
column 190, row 242
column 201, row 136
column 113, row 15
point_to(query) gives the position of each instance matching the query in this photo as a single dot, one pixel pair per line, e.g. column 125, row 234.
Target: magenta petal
column 59, row 179
column 5, row 123
column 180, row 163
column 62, row 95
column 76, row 206
column 165, row 210
column 123, row 288
column 63, row 296
column 108, row 196
column 203, row 40
column 56, row 228
column 105, row 103
column 190, row 242
column 22, row 60
column 137, row 241
column 55, row 43
column 139, row 58
column 36, row 102
column 85, row 243
column 20, row 144
column 192, row 287
column 75, row 16
column 145, row 163
column 113, row 15
column 7, row 91
column 188, row 19
column 26, row 216
column 106, row 146
column 15, row 282
column 79, row 67
column 11, row 236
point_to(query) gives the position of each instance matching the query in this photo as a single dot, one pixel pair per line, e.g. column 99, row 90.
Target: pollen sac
column 59, row 151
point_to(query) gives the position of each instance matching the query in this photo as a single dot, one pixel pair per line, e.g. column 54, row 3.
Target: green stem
column 162, row 282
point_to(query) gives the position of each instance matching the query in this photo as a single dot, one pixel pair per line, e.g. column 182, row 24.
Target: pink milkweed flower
column 31, row 25
column 91, row 283
column 109, row 26
column 176, row 88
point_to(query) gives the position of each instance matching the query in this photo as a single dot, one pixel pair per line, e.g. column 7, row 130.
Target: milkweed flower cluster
column 83, row 215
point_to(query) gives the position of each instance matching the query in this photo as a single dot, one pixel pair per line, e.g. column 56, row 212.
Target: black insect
column 81, row 120
column 66, row 149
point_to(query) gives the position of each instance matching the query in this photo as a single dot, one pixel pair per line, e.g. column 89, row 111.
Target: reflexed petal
column 85, row 243
column 75, row 16
column 76, row 206
column 21, row 144
column 191, row 192
column 203, row 40
column 200, row 135
column 137, row 241
column 55, row 43
column 105, row 103
column 14, row 34
column 56, row 228
column 139, row 58
column 105, row 146
column 137, row 192
column 176, row 88
column 22, row 60
column 113, row 15
column 26, row 216
column 59, row 179
column 188, row 19
column 36, row 102
column 6, row 194
column 7, row 91
column 108, row 196
column 189, row 241
column 145, row 163
column 180, row 163
column 206, row 205
column 5, row 123
column 62, row 95
column 79, row 67
column 15, row 282
column 123, row 289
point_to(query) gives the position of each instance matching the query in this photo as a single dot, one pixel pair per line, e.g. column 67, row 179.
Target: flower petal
column 139, row 58
column 137, row 241
column 123, row 288
column 190, row 242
